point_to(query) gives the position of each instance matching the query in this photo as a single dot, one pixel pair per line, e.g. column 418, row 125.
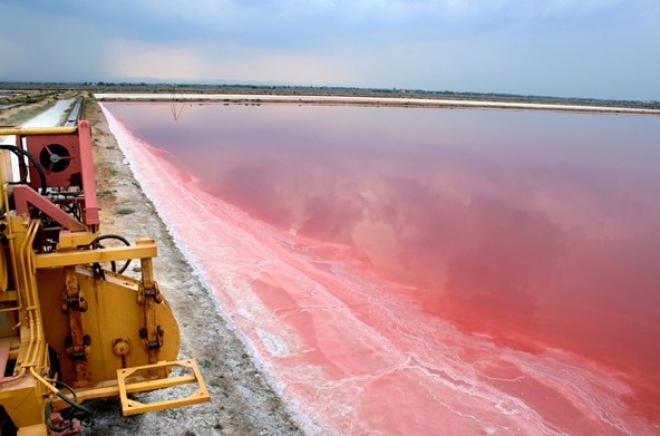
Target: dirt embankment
column 242, row 401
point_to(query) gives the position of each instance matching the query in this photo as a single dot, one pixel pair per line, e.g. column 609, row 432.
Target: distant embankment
column 371, row 101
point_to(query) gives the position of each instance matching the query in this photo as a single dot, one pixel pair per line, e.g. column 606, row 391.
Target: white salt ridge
column 327, row 99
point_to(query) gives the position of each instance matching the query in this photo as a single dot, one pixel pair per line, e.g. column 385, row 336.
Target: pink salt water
column 421, row 271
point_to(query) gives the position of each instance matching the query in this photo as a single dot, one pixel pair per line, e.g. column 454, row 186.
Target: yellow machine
column 72, row 326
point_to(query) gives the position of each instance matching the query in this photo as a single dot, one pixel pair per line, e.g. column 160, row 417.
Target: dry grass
column 17, row 115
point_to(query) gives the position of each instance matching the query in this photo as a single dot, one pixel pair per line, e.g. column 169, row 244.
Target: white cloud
column 148, row 60
column 223, row 62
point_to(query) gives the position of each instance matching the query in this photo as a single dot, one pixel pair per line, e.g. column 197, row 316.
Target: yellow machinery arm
column 70, row 329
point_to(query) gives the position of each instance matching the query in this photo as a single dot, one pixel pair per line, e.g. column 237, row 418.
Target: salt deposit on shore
column 374, row 101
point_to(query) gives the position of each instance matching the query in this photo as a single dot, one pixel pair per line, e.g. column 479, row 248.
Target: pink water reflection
column 536, row 232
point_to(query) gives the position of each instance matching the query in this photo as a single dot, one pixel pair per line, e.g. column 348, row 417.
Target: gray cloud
column 557, row 47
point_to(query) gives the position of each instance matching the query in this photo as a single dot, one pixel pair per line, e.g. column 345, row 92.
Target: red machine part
column 67, row 163
column 73, row 427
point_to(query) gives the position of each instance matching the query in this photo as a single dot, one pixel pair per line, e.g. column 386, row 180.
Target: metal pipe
column 10, row 238
column 28, row 301
column 36, row 314
column 34, row 322
column 29, row 131
column 12, row 378
column 75, row 113
column 45, row 382
column 12, row 308
column 30, row 305
column 23, row 253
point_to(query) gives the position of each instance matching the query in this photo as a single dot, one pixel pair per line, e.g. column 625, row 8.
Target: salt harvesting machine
column 73, row 327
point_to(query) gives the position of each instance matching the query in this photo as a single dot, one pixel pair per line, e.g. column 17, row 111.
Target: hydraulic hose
column 118, row 238
column 76, row 407
column 19, row 152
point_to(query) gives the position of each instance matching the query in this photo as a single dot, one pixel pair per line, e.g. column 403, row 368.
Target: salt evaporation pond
column 423, row 271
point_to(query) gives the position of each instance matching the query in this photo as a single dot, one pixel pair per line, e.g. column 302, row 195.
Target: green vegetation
column 107, row 166
column 125, row 211
column 17, row 115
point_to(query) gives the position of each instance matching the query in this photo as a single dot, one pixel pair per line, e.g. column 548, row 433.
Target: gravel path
column 242, row 401
column 51, row 117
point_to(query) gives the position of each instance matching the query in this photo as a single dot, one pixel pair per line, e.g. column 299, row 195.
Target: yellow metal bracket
column 136, row 379
column 29, row 131
column 104, row 255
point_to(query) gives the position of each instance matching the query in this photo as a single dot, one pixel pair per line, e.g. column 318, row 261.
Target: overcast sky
column 565, row 48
